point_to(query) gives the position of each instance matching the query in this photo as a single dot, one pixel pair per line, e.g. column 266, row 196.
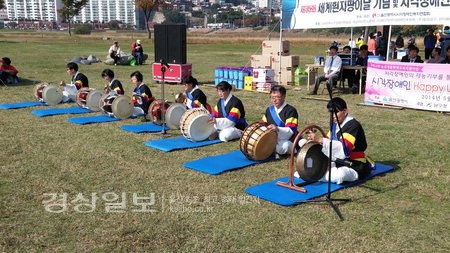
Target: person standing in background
column 430, row 43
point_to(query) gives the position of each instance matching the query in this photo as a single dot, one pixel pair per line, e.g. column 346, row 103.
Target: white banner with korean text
column 411, row 85
column 310, row 14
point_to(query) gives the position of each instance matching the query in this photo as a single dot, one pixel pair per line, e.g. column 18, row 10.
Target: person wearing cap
column 8, row 72
column 372, row 44
column 137, row 51
column 115, row 52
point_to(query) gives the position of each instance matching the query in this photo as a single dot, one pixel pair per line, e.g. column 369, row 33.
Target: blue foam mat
column 215, row 165
column 171, row 144
column 58, row 111
column 92, row 119
column 143, row 128
column 279, row 195
column 21, row 105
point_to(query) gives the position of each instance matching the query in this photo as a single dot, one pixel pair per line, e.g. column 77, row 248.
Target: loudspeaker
column 170, row 43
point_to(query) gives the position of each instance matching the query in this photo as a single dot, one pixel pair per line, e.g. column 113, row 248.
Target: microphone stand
column 333, row 112
column 163, row 110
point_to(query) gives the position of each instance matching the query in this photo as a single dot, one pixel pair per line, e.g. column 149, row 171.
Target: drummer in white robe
column 228, row 115
column 79, row 80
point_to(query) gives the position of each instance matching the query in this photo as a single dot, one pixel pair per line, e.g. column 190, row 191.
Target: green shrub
column 83, row 29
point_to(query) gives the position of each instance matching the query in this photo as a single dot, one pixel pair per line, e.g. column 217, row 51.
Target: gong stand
column 290, row 183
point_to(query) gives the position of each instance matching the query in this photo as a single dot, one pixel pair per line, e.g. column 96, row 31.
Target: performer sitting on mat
column 282, row 118
column 78, row 80
column 114, row 86
column 228, row 115
column 349, row 144
column 193, row 96
column 142, row 95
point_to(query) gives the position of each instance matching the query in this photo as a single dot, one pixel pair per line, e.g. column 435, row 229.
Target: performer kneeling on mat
column 349, row 144
column 142, row 95
column 114, row 86
column 228, row 115
column 282, row 118
column 194, row 97
column 78, row 80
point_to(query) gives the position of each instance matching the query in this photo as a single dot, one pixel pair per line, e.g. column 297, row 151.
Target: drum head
column 311, row 163
column 38, row 88
column 52, row 95
column 174, row 114
column 93, row 100
column 122, row 107
column 199, row 128
column 265, row 146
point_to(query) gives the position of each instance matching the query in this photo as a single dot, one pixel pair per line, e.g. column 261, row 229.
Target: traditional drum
column 48, row 93
column 194, row 124
column 174, row 114
column 155, row 111
column 258, row 142
column 180, row 97
column 118, row 106
column 311, row 164
column 89, row 98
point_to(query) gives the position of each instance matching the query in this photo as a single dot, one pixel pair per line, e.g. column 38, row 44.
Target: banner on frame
column 411, row 85
column 310, row 14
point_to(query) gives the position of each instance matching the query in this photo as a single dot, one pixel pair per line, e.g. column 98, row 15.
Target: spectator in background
column 8, row 72
column 348, row 74
column 412, row 55
column 399, row 42
column 360, row 42
column 361, row 61
column 447, row 57
column 436, row 56
column 115, row 52
column 331, row 70
column 381, row 45
column 430, row 43
column 372, row 44
column 137, row 51
column 445, row 41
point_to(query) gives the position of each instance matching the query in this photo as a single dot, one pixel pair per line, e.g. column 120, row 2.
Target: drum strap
column 241, row 121
column 334, row 137
column 222, row 104
column 189, row 95
column 275, row 116
column 191, row 98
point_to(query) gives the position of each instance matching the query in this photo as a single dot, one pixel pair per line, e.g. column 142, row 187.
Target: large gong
column 311, row 164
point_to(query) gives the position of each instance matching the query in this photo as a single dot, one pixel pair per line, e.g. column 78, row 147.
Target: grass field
column 404, row 211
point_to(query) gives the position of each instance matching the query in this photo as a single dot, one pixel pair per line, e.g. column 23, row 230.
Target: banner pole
column 281, row 42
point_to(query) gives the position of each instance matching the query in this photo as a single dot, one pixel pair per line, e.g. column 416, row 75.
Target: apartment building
column 44, row 10
column 108, row 10
column 94, row 11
